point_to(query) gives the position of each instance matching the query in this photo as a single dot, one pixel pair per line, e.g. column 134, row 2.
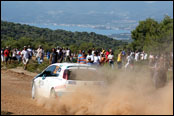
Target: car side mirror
column 43, row 76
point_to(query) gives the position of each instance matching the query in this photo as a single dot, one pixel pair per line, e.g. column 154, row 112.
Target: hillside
column 25, row 34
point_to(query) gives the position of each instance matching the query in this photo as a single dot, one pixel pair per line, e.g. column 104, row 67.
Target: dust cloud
column 126, row 93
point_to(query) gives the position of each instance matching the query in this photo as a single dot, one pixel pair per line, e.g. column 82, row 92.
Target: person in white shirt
column 96, row 59
column 142, row 55
column 39, row 54
column 130, row 61
column 58, row 50
column 93, row 51
column 90, row 56
column 30, row 52
column 25, row 57
column 145, row 56
column 111, row 59
column 67, row 55
column 136, row 56
column 18, row 55
column 2, row 55
column 14, row 53
column 68, row 52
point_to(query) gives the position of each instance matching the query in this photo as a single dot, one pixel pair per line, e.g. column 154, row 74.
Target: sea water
column 82, row 29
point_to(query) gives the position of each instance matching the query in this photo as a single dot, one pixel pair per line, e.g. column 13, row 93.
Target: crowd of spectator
column 93, row 57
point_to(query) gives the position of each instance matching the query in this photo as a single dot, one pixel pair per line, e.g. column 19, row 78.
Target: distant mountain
column 116, row 13
column 18, row 35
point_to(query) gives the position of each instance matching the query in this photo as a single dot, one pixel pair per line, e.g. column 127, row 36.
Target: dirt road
column 16, row 94
column 122, row 97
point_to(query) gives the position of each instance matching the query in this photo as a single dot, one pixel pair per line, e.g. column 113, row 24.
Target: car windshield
column 52, row 71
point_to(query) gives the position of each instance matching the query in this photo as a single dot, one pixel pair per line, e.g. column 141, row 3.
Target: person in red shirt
column 106, row 56
column 6, row 55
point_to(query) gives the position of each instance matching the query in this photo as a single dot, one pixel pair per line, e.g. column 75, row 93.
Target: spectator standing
column 43, row 54
column 79, row 55
column 25, row 57
column 142, row 55
column 145, row 56
column 6, row 54
column 18, row 55
column 30, row 52
column 58, row 49
column 106, row 56
column 82, row 58
column 130, row 61
column 53, row 56
column 136, row 56
column 60, row 56
column 89, row 62
column 93, row 51
column 90, row 56
column 2, row 55
column 14, row 53
column 39, row 54
column 68, row 54
column 111, row 59
column 48, row 55
column 64, row 53
column 102, row 60
column 10, row 54
column 124, row 57
column 96, row 59
column 119, row 60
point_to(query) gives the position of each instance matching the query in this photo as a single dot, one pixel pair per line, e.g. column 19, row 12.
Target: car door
column 46, row 79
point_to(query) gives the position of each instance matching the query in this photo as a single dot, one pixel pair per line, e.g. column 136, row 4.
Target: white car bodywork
column 53, row 79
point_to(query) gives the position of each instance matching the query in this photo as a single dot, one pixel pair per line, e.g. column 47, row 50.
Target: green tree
column 152, row 36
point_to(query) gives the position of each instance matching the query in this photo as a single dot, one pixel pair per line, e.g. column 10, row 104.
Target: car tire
column 53, row 93
column 34, row 91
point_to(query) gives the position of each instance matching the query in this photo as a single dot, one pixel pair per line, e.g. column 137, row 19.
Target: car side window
column 51, row 71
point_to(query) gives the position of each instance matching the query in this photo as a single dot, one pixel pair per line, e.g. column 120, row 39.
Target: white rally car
column 61, row 78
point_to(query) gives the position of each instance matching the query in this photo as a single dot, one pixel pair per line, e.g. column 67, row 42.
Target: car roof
column 70, row 64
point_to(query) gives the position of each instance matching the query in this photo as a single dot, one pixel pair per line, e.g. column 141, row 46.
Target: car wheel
column 53, row 93
column 34, row 91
